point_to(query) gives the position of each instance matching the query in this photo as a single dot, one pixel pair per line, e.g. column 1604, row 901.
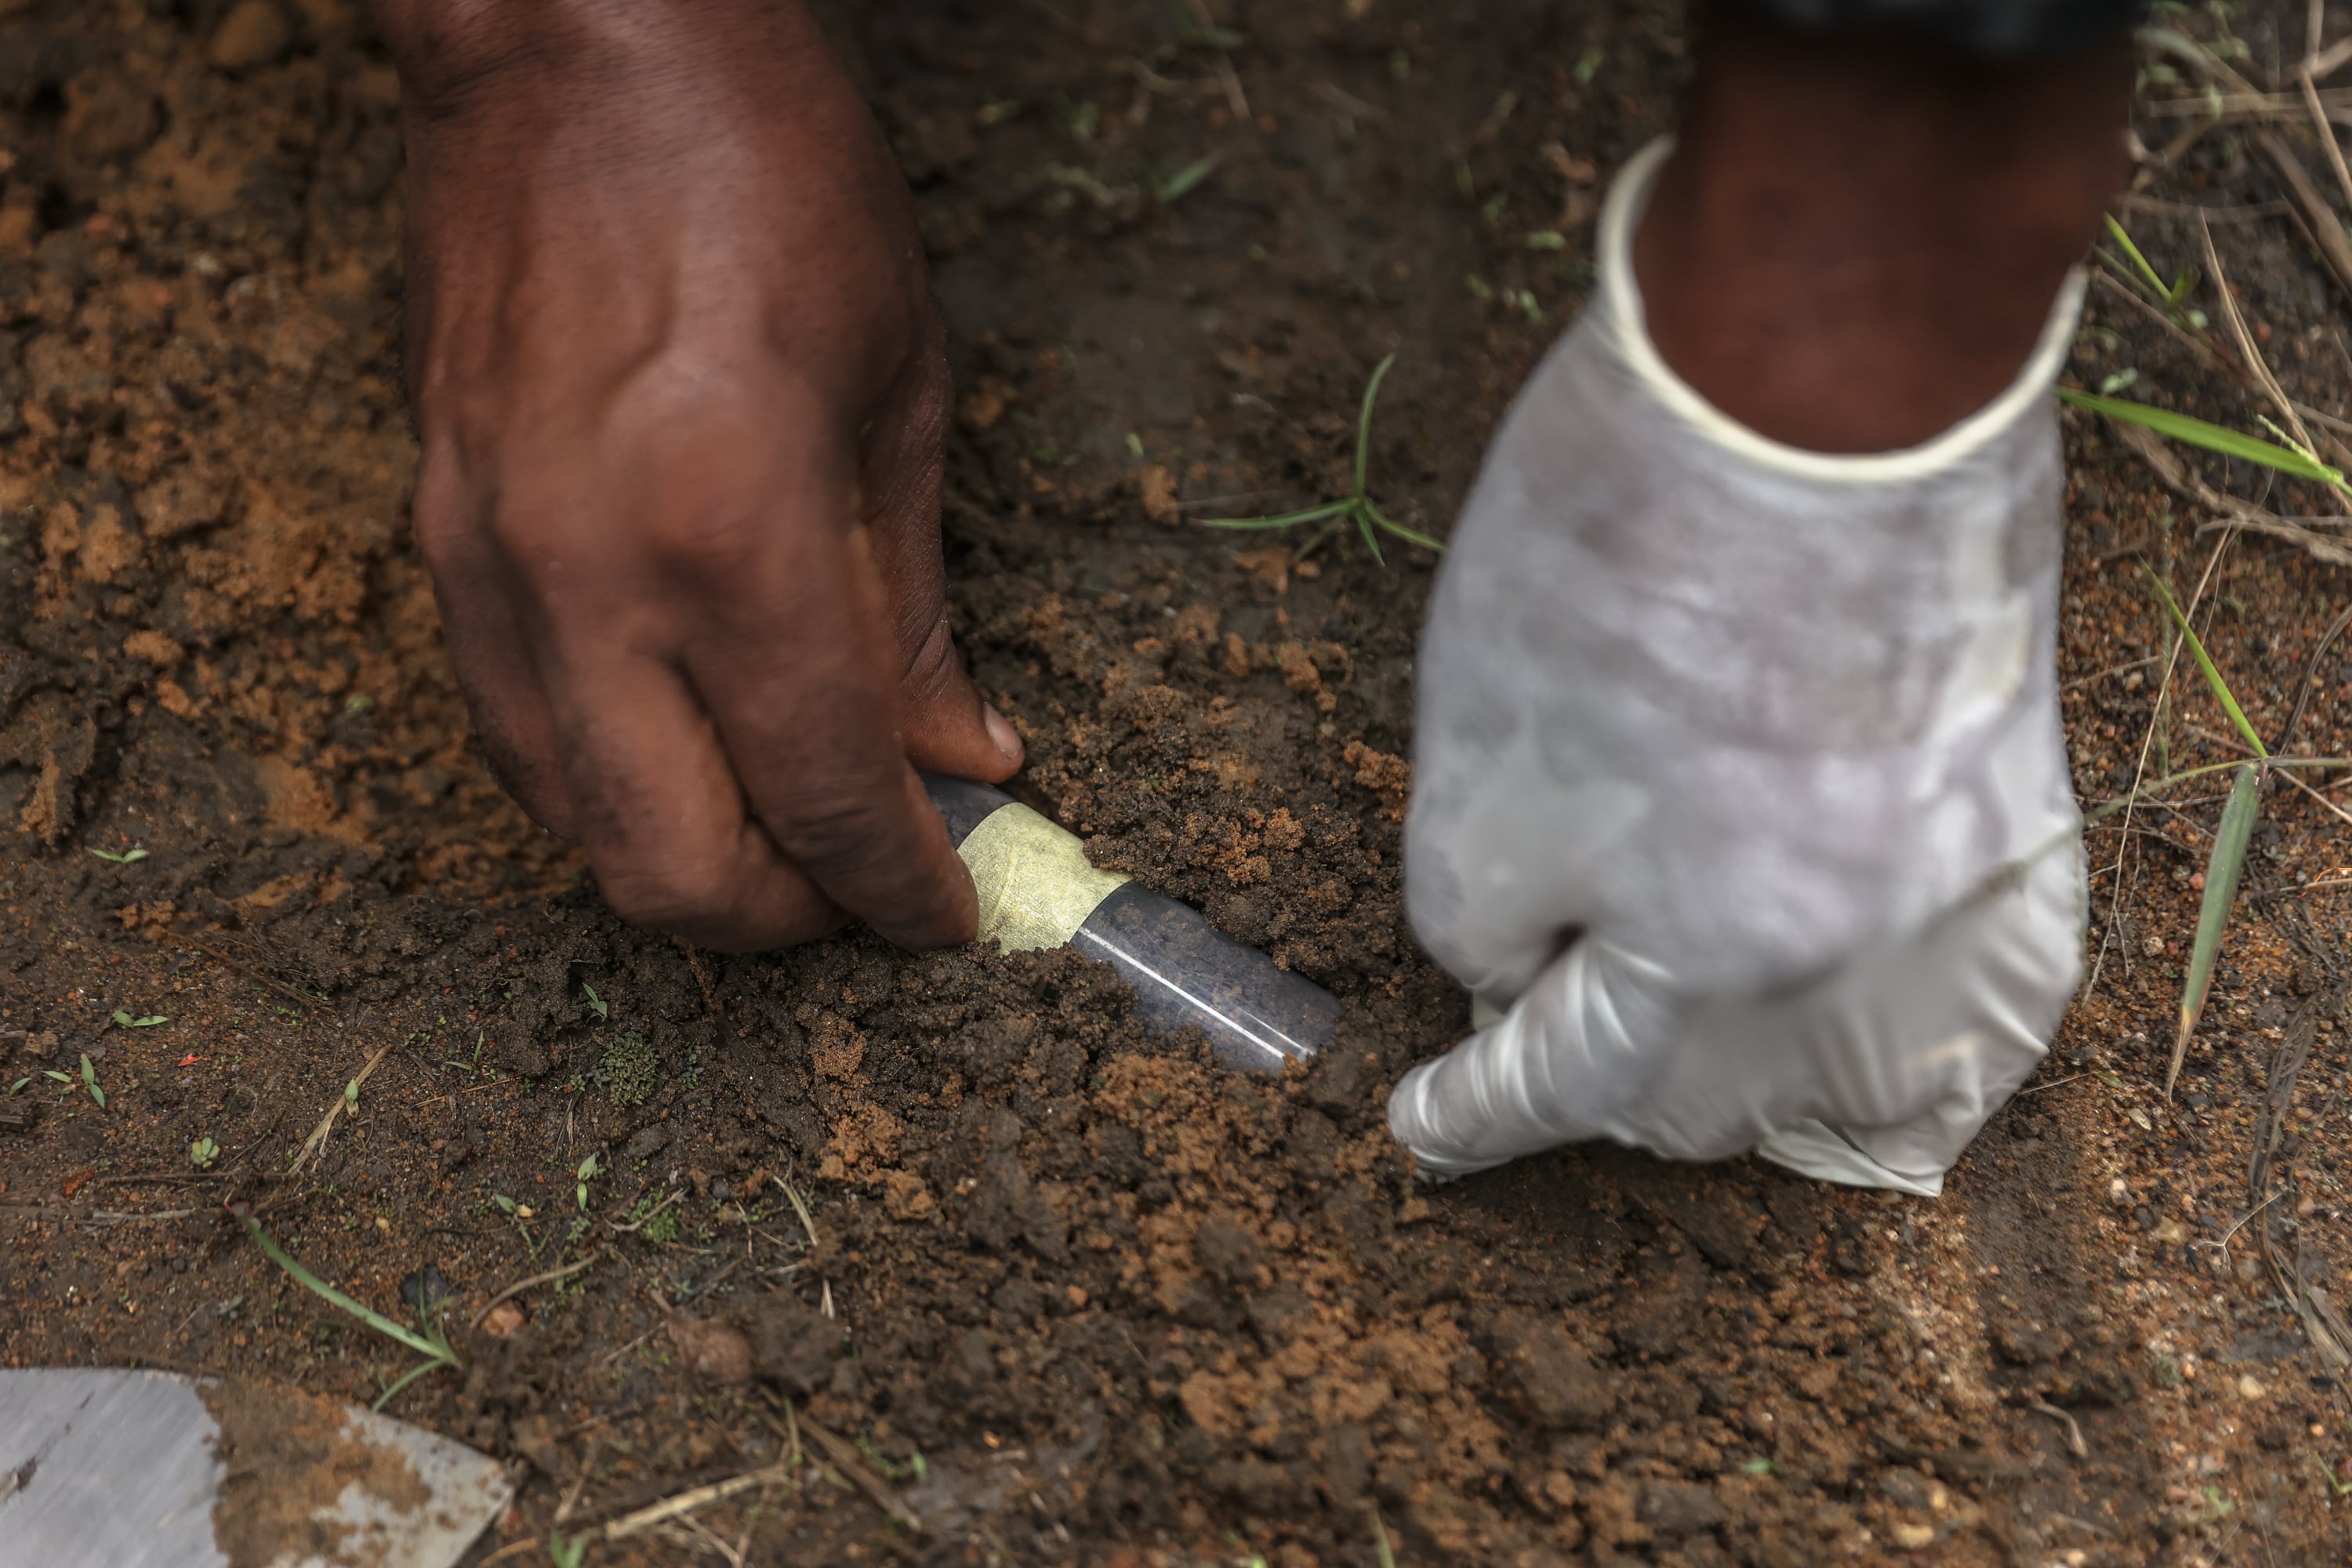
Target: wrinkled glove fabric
column 1739, row 784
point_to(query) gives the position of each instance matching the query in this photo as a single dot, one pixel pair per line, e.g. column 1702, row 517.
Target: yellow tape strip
column 1035, row 884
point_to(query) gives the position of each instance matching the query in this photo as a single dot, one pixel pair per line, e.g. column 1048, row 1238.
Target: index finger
column 795, row 662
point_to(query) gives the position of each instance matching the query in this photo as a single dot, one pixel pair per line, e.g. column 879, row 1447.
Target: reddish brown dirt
column 1071, row 1295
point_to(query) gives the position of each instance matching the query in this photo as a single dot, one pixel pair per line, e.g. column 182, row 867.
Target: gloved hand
column 1740, row 781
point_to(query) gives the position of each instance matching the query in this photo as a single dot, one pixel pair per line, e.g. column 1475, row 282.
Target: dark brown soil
column 1065, row 1293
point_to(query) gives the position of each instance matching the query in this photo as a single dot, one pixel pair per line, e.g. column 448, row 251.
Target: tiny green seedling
column 89, row 1082
column 1186, row 180
column 596, row 1004
column 1759, row 1466
column 2228, row 857
column 565, row 1553
column 124, row 1020
column 432, row 1341
column 128, row 857
column 590, row 1169
column 203, row 1152
column 18, row 1087
column 1357, row 506
column 2171, row 298
column 351, row 1095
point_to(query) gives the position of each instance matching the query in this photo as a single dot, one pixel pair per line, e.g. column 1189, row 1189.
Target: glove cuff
column 1619, row 313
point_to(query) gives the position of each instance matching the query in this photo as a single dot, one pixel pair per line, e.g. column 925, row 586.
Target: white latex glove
column 1739, row 780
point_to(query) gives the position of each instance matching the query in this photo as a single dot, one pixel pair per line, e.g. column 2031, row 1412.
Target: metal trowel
column 114, row 1469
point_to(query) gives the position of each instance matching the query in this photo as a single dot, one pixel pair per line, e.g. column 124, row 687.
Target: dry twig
column 520, row 1285
column 2074, row 1443
column 2318, row 220
column 686, row 1502
column 313, row 1144
column 851, row 1463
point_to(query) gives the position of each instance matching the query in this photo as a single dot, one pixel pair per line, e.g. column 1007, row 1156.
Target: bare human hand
column 681, row 389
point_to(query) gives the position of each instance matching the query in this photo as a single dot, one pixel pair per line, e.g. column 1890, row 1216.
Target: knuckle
column 834, row 830
column 933, row 669
column 708, row 537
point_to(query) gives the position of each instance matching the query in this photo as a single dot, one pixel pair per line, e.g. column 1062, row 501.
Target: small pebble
column 713, row 1352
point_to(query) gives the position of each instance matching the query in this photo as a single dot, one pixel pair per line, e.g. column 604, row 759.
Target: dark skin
column 679, row 379
column 1857, row 241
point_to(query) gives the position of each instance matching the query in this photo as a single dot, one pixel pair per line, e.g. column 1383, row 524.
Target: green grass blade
column 1181, row 183
column 2138, row 261
column 1321, row 536
column 1372, row 540
column 2205, row 662
column 1410, row 535
column 413, row 1373
column 2107, row 808
column 334, row 1298
column 2212, row 438
column 1364, row 421
column 1282, row 520
column 2221, row 869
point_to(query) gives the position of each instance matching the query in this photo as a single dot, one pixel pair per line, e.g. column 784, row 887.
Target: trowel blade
column 105, row 1468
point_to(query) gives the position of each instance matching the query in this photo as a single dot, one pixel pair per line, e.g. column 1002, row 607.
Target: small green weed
column 89, row 1082
column 1185, row 181
column 2171, row 298
column 2228, row 857
column 203, row 1152
column 128, row 857
column 432, row 1342
column 1357, row 506
column 124, row 1019
column 565, row 1553
column 596, row 1004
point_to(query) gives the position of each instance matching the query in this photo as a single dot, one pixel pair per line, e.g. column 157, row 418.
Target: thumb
column 1586, row 1039
column 950, row 729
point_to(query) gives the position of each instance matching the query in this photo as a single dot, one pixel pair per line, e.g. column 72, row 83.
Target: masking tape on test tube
column 1035, row 887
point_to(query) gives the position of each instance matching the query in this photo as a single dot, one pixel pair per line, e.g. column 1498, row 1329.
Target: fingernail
column 1000, row 731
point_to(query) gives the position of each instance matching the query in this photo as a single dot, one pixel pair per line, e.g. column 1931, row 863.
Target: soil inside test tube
column 1186, row 974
